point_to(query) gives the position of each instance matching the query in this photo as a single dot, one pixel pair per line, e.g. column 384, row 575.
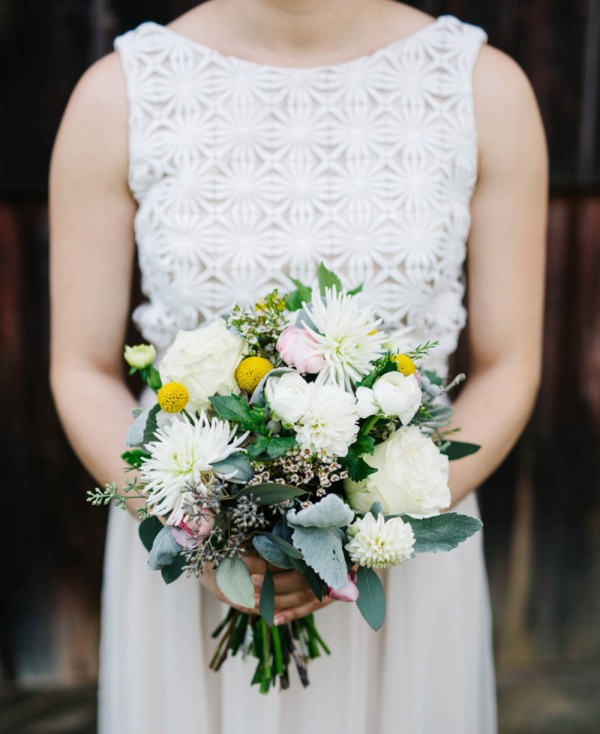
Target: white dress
column 245, row 173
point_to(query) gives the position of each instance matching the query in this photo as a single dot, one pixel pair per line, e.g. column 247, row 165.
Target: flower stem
column 368, row 425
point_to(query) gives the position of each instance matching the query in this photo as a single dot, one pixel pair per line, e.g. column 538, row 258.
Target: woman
column 254, row 138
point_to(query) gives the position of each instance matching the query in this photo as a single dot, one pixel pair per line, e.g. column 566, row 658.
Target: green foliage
column 151, row 424
column 270, row 551
column 422, row 350
column 286, row 547
column 441, row 532
column 235, row 409
column 148, row 530
column 174, row 570
column 357, row 468
column 327, row 279
column 371, row 599
column 380, row 367
column 458, row 449
column 271, row 493
column 295, row 299
column 233, row 579
column 266, row 447
column 323, row 552
column 266, row 605
column 135, row 457
column 236, row 467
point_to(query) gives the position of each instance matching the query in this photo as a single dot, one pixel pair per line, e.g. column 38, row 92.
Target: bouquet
column 293, row 429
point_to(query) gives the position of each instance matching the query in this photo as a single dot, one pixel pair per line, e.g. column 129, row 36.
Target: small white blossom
column 140, row 356
column 329, row 424
column 380, row 543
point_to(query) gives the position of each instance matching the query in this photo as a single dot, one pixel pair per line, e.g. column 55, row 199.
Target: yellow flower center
column 250, row 372
column 404, row 364
column 173, row 397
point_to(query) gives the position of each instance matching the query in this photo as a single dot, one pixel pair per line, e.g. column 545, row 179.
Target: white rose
column 288, row 396
column 140, row 356
column 204, row 360
column 411, row 477
column 397, row 395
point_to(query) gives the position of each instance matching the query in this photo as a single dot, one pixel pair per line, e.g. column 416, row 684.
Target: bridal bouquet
column 292, row 429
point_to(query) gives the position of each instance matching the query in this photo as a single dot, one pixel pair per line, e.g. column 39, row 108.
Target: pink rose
column 298, row 348
column 189, row 534
column 349, row 592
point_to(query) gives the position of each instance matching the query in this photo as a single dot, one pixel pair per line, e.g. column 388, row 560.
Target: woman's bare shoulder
column 506, row 110
column 94, row 124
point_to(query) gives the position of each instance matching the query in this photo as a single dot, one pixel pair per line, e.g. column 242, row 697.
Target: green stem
column 277, row 658
column 310, row 623
column 366, row 427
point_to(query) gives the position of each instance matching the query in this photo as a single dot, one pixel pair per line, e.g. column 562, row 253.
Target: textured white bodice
column 245, row 173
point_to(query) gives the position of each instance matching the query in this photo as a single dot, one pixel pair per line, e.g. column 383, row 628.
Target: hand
column 294, row 598
column 257, row 567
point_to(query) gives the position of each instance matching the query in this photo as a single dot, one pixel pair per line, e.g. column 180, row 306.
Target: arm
column 92, row 250
column 505, row 270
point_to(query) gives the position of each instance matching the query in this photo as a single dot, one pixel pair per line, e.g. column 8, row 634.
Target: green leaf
column 270, row 551
column 382, row 366
column 164, row 550
column 329, row 512
column 266, row 605
column 148, row 530
column 151, row 424
column 236, row 467
column 459, row 449
column 371, row 599
column 356, row 291
column 318, row 586
column 232, row 408
column 295, row 299
column 286, row 547
column 357, row 467
column 233, row 579
column 327, row 279
column 441, row 532
column 135, row 457
column 271, row 493
column 174, row 570
column 323, row 552
column 279, row 446
column 433, row 377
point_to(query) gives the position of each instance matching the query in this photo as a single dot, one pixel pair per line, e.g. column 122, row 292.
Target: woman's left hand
column 294, row 598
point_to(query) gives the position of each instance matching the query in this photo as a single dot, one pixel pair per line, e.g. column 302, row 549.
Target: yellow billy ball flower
column 404, row 364
column 173, row 397
column 250, row 372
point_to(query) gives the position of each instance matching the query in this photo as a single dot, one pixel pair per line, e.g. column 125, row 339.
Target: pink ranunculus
column 190, row 534
column 349, row 592
column 298, row 348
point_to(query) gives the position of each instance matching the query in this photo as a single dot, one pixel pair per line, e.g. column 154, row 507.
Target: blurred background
column 541, row 509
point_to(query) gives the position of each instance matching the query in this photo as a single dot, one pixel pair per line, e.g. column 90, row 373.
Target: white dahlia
column 346, row 335
column 380, row 543
column 330, row 422
column 182, row 453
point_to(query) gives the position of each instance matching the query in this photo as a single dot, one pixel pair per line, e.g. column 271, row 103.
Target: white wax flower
column 204, row 361
column 380, row 543
column 140, row 356
column 397, row 395
column 411, row 476
column 288, row 396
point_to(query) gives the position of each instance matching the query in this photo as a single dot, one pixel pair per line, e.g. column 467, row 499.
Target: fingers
column 303, row 610
column 255, row 564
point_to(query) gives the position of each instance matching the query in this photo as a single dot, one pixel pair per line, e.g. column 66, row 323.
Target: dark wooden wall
column 541, row 508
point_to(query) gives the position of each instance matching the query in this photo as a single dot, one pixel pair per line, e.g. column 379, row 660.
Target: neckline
column 382, row 51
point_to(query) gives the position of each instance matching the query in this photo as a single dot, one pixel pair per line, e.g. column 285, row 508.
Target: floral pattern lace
column 247, row 173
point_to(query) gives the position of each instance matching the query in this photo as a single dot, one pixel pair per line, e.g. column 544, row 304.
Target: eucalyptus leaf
column 148, row 530
column 459, row 449
column 271, row 493
column 271, row 552
column 330, row 512
column 376, row 509
column 441, row 532
column 135, row 434
column 323, row 552
column 371, row 597
column 266, row 604
column 174, row 570
column 233, row 579
column 164, row 550
column 151, row 424
column 235, row 468
column 286, row 547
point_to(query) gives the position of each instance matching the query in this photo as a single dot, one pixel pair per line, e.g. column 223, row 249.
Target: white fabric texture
column 244, row 174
